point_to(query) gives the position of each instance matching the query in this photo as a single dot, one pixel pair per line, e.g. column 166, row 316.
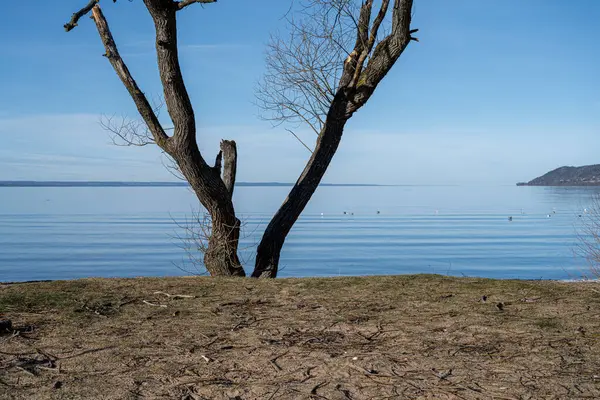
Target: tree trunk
column 269, row 248
column 213, row 192
column 220, row 258
column 357, row 84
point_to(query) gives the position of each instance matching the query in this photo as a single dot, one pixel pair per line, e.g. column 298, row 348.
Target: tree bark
column 269, row 248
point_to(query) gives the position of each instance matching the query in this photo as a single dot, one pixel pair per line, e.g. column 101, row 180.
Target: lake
column 75, row 232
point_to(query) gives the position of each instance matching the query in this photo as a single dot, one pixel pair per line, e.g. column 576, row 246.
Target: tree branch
column 362, row 29
column 377, row 23
column 411, row 32
column 179, row 105
column 184, row 3
column 300, row 140
column 388, row 50
column 385, row 54
column 75, row 17
column 128, row 131
column 142, row 104
column 229, row 150
column 368, row 47
column 218, row 161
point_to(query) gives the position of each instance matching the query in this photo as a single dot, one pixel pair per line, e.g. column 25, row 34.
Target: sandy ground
column 402, row 337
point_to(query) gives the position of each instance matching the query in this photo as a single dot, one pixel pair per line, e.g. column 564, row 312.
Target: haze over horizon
column 493, row 93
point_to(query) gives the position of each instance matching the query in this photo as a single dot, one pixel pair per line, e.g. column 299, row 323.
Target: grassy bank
column 417, row 337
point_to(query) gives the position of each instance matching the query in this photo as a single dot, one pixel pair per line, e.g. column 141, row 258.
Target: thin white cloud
column 69, row 146
column 74, row 146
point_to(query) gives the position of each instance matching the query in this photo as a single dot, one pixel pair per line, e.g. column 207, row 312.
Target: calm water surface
column 63, row 233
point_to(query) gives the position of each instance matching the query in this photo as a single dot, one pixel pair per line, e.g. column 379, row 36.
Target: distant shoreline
column 581, row 184
column 152, row 184
column 587, row 175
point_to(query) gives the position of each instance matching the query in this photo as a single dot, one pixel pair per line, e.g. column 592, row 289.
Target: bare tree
column 213, row 190
column 588, row 236
column 337, row 54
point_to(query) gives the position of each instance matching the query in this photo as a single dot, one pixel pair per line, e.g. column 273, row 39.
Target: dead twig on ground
column 154, row 304
column 176, row 296
column 273, row 361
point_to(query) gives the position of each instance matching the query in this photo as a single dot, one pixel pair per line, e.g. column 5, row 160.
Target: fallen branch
column 317, row 387
column 274, row 361
column 274, row 393
column 126, row 302
column 87, row 352
column 153, row 304
column 49, row 356
column 176, row 296
column 530, row 299
column 247, row 323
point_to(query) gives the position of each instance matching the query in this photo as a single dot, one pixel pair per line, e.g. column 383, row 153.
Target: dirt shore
column 400, row 337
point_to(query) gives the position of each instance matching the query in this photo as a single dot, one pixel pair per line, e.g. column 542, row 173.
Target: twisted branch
column 75, row 17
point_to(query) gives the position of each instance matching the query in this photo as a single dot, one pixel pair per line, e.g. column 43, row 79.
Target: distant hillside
column 588, row 175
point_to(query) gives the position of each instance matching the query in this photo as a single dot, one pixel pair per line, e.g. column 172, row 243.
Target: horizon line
column 82, row 183
column 53, row 183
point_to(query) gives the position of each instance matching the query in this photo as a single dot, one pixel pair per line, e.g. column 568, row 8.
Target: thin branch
column 588, row 235
column 184, row 3
column 75, row 17
column 126, row 132
column 377, row 23
column 361, row 48
column 304, row 70
column 140, row 100
column 131, row 132
column 171, row 166
column 300, row 140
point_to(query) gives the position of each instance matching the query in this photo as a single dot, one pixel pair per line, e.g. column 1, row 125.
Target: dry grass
column 413, row 337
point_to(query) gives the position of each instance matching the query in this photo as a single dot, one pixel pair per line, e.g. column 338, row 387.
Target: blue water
column 64, row 233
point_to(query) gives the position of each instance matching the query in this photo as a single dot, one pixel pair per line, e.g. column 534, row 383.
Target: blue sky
column 494, row 92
